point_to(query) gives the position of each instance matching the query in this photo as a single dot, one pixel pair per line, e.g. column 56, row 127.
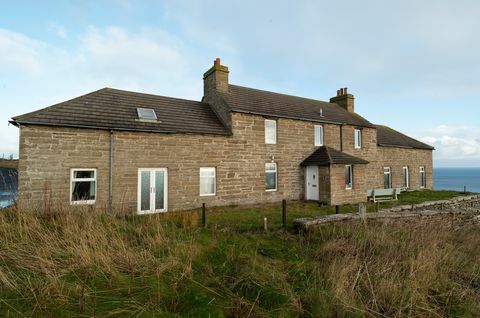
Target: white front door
column 152, row 190
column 311, row 177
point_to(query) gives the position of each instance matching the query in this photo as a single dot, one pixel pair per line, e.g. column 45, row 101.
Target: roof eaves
column 18, row 123
column 405, row 147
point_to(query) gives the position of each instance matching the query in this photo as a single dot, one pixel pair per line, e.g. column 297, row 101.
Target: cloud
column 18, row 51
column 58, row 29
column 147, row 60
column 454, row 143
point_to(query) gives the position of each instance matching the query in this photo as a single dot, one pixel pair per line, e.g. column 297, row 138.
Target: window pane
column 88, row 174
column 159, row 190
column 270, row 167
column 145, row 113
column 145, row 191
column 386, row 181
column 348, row 176
column 270, row 181
column 207, row 185
column 207, row 172
column 318, row 135
column 270, row 132
column 83, row 190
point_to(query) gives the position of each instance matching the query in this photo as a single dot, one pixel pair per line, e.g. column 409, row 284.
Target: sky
column 412, row 65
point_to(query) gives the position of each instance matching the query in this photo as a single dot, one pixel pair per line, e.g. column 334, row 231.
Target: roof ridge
column 277, row 93
column 154, row 95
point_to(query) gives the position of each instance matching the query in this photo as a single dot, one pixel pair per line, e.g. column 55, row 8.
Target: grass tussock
column 86, row 263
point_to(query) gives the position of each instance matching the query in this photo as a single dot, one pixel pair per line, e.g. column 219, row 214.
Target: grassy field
column 84, row 263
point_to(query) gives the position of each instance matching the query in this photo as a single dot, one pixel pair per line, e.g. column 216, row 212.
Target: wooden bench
column 381, row 195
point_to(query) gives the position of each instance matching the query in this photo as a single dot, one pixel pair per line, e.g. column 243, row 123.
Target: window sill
column 271, row 190
column 208, row 195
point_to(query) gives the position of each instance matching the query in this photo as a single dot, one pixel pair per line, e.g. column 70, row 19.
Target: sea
column 457, row 179
column 444, row 179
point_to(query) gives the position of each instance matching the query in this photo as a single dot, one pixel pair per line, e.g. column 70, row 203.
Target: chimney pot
column 344, row 99
column 217, row 61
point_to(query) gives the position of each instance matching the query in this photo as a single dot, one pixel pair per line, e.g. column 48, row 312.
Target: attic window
column 146, row 114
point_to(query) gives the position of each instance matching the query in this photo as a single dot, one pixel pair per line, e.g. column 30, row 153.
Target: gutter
column 341, row 137
column 110, row 171
column 405, row 147
column 17, row 124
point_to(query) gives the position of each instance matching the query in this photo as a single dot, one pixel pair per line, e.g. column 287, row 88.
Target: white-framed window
column 387, row 178
column 423, row 180
column 208, row 182
column 318, row 135
column 406, row 177
column 348, row 177
column 83, row 186
column 358, row 138
column 271, row 176
column 270, row 131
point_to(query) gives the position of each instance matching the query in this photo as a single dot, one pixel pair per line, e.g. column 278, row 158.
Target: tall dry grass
column 428, row 267
column 83, row 262
column 50, row 259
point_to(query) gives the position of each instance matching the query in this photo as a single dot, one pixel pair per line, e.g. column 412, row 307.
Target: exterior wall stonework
column 396, row 159
column 47, row 154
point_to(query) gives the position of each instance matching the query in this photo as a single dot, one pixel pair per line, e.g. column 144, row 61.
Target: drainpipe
column 110, row 172
column 341, row 137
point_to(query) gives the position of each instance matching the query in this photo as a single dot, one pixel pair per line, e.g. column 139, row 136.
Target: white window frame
column 276, row 176
column 390, row 181
column 406, row 177
column 73, row 180
column 319, row 129
column 271, row 142
column 348, row 185
column 423, row 179
column 358, row 138
column 214, row 181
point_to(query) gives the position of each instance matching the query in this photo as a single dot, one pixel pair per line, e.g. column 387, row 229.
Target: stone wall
column 340, row 195
column 396, row 159
column 47, row 154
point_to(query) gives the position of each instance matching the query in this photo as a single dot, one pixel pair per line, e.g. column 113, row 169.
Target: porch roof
column 324, row 156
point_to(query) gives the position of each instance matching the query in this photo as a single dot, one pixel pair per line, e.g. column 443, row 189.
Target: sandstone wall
column 47, row 154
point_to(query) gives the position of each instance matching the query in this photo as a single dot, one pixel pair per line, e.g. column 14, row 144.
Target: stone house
column 138, row 152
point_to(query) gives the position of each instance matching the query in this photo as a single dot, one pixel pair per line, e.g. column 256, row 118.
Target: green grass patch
column 92, row 264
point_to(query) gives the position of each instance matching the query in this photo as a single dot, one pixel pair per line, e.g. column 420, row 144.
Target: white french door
column 152, row 190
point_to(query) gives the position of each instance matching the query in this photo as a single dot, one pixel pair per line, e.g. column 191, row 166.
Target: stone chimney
column 215, row 87
column 344, row 99
column 216, row 78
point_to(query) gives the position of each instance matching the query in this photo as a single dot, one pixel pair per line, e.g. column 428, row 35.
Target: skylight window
column 146, row 114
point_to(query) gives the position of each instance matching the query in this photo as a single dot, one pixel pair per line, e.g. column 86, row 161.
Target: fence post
column 284, row 213
column 203, row 214
column 337, row 209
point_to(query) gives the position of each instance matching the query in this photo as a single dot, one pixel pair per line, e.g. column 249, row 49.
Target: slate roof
column 110, row 108
column 388, row 137
column 254, row 101
column 324, row 156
